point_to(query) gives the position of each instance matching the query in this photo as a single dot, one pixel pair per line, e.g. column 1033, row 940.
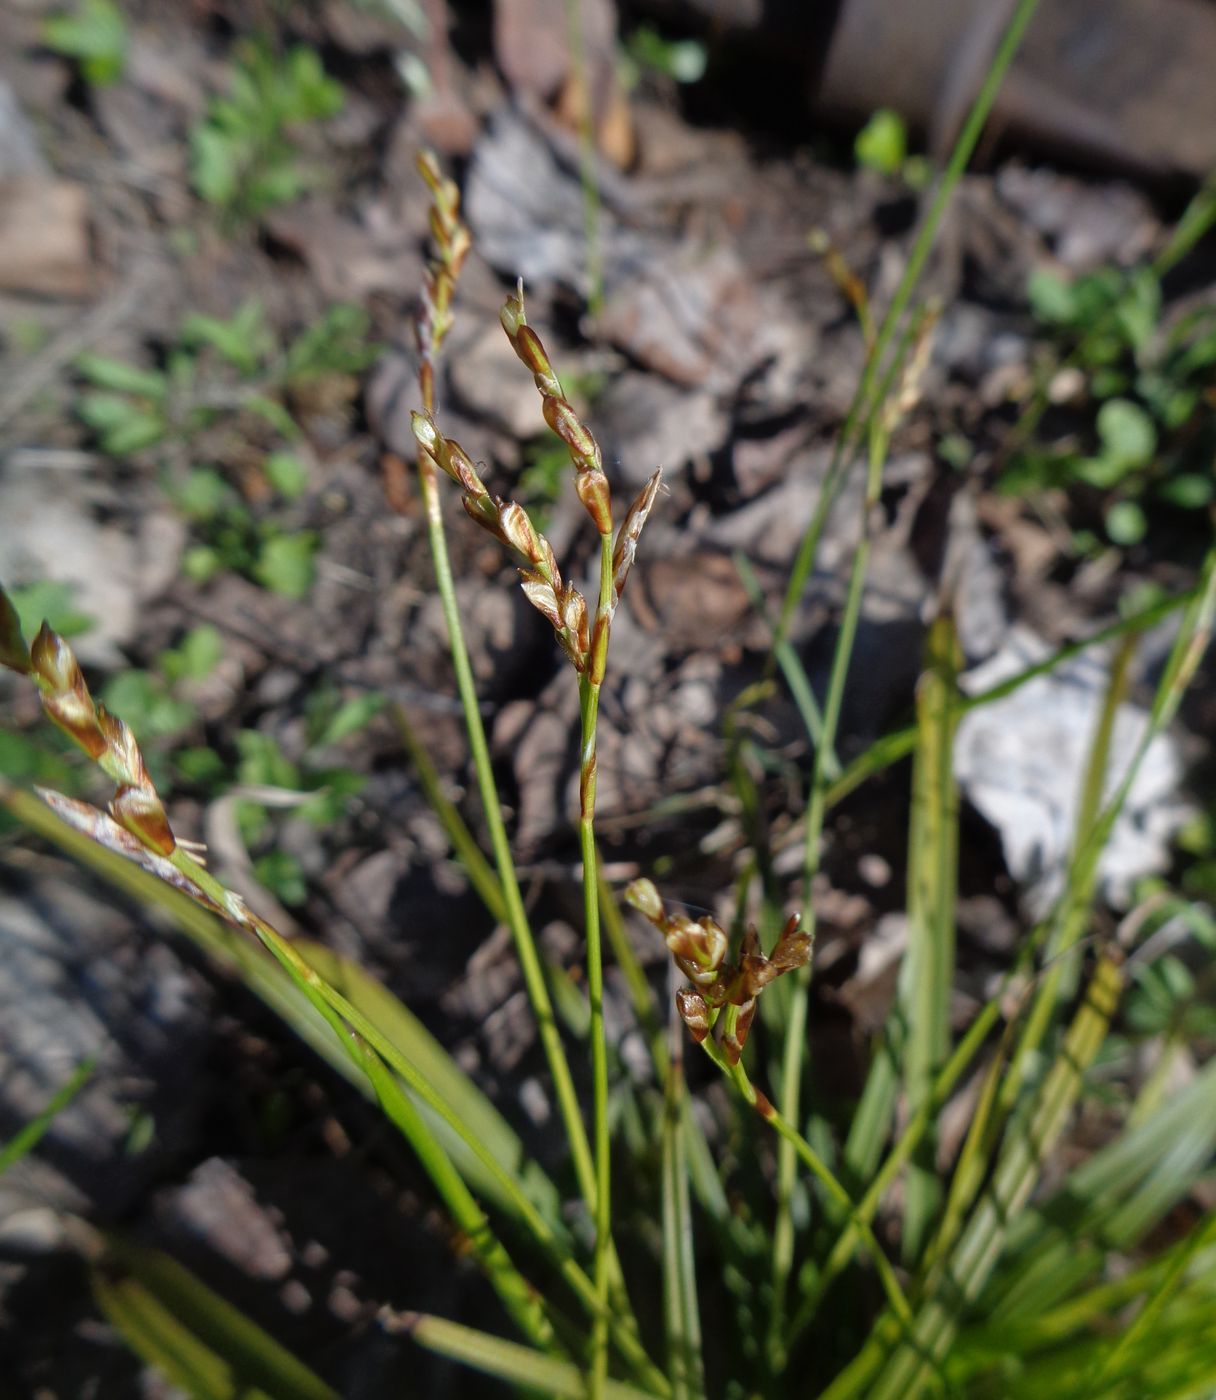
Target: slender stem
column 589, row 703
column 794, row 1049
column 517, row 918
column 818, row 1168
column 865, row 404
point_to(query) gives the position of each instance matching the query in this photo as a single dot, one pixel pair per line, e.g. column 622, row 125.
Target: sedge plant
column 801, row 1249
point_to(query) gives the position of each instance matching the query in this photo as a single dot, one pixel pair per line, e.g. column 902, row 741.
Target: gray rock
column 77, row 982
column 1021, row 763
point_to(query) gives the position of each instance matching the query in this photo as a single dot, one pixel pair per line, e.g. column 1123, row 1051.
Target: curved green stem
column 794, row 1051
column 867, row 403
column 818, row 1168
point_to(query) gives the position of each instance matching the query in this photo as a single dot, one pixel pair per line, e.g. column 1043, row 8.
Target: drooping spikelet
column 699, row 947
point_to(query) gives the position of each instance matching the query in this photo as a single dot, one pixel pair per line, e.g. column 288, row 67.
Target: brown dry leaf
column 44, row 238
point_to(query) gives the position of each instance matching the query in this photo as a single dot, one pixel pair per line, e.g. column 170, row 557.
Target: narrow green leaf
column 190, row 1334
column 26, row 1139
column 507, row 1360
column 411, row 1038
column 681, row 1313
column 928, row 970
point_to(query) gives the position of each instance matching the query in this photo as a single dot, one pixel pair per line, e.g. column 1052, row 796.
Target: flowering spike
column 140, row 811
column 693, row 1012
column 592, row 488
column 628, row 535
column 699, row 948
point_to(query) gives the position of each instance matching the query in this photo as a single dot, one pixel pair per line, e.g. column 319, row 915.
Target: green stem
column 865, row 405
column 589, row 703
column 517, row 918
column 794, row 1050
column 818, row 1168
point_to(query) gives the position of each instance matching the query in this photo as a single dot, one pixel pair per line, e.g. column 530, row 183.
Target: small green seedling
column 646, row 50
column 882, row 145
column 243, row 158
column 1146, row 390
column 95, row 35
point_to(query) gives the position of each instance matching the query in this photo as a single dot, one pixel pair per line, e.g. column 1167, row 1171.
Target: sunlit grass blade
column 23, row 1142
column 1146, row 1319
column 294, row 989
column 681, row 1312
column 1107, row 1203
column 928, row 971
column 873, row 386
column 887, row 1367
column 620, row 1328
column 1010, row 1066
column 404, row 1030
column 507, row 1361
column 191, row 1335
column 519, row 1297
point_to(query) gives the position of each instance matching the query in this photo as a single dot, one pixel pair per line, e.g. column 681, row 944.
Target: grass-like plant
column 799, row 1247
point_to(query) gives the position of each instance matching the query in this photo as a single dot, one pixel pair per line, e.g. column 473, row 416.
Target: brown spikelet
column 627, row 536
column 693, row 1012
column 65, row 697
column 699, row 948
column 142, row 813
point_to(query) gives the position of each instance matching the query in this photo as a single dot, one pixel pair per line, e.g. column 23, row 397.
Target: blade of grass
column 791, row 665
column 190, row 1334
column 520, row 1298
column 280, row 980
column 1003, row 1082
column 403, row 1029
column 882, row 1373
column 1146, row 1319
column 794, row 1048
column 1069, row 920
column 918, row 1124
column 928, row 971
column 507, row 1361
column 680, row 1309
column 737, row 1075
column 23, row 1142
column 622, row 1330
